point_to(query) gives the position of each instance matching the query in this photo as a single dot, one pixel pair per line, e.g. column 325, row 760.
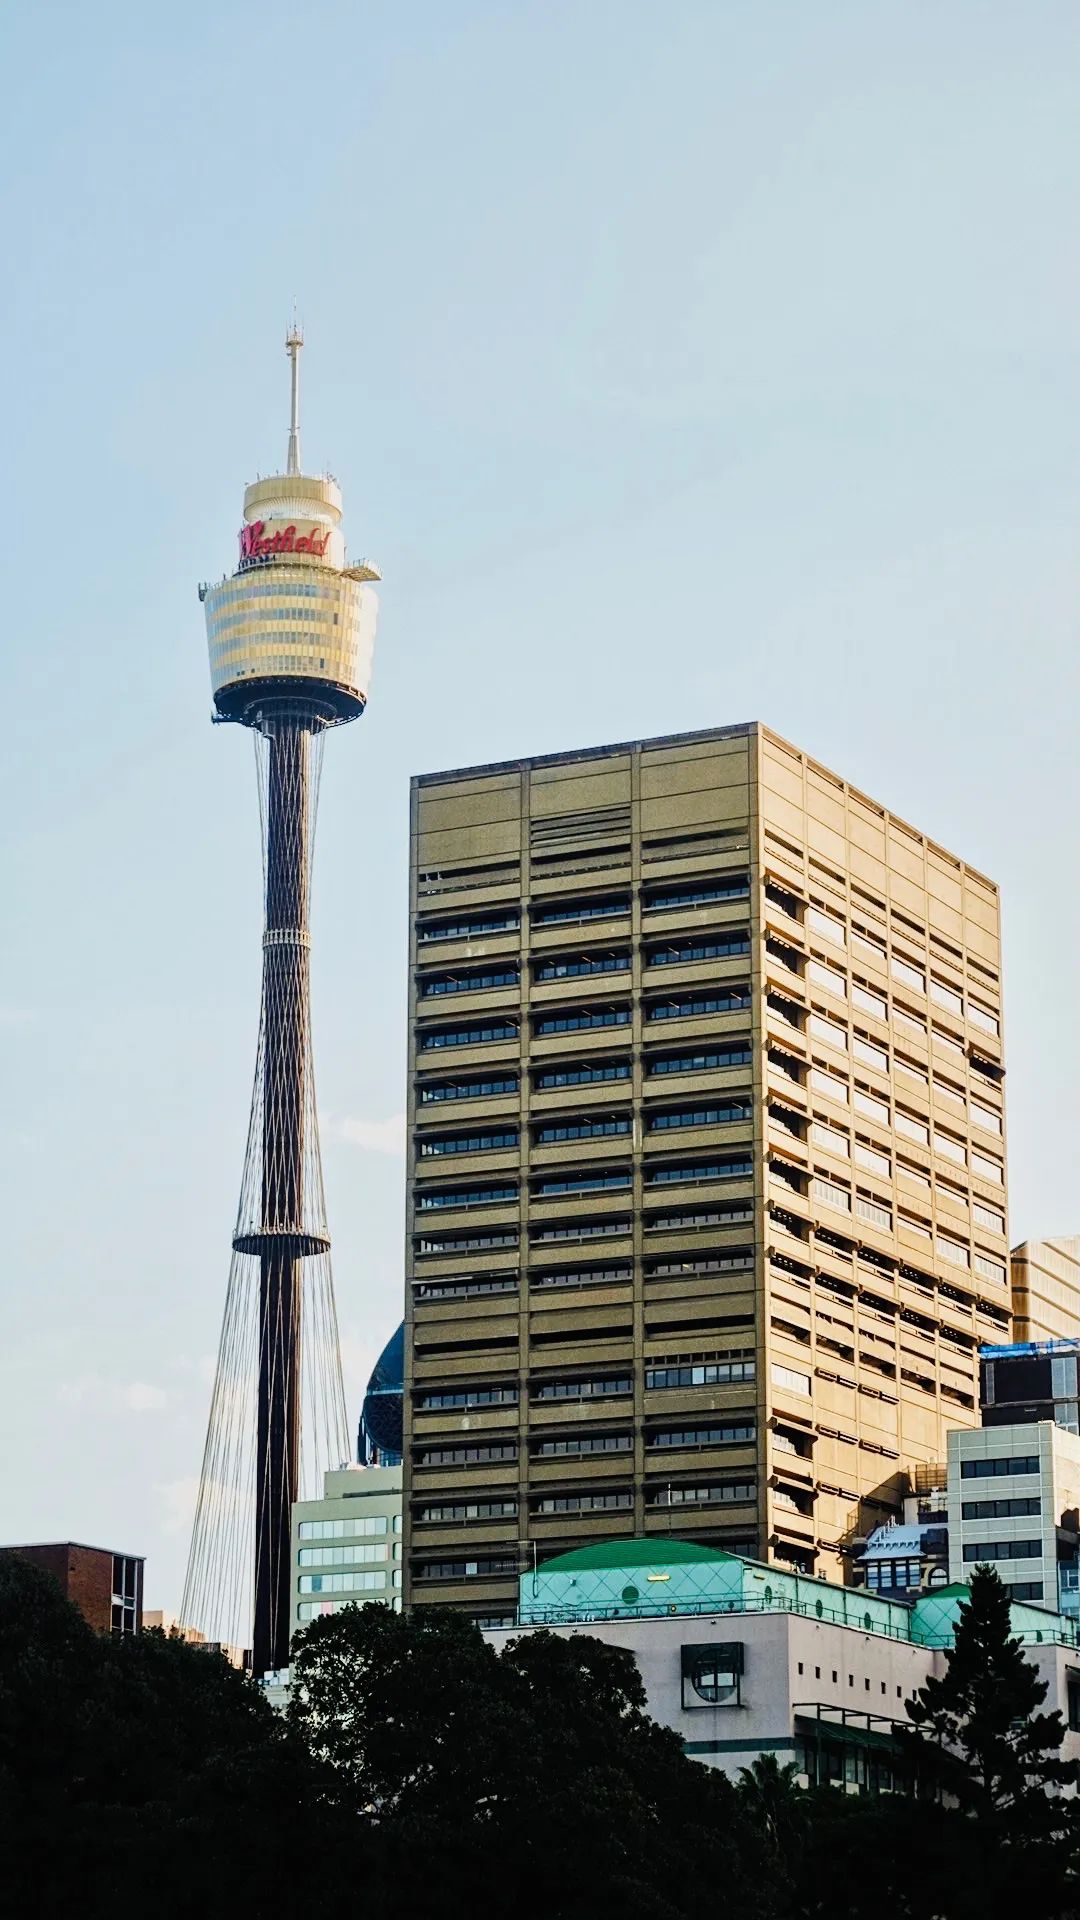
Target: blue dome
column 380, row 1439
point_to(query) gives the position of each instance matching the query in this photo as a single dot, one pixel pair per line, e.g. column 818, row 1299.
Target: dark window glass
column 468, row 1089
column 681, row 952
column 577, row 965
column 734, row 886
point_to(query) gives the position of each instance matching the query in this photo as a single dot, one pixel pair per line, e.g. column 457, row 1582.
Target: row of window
column 594, row 1180
column 596, row 1500
column 348, row 1582
column 1002, row 1550
column 580, row 912
column 478, row 1286
column 1002, row 1468
column 493, row 1240
column 586, row 1126
column 579, row 966
column 582, row 1445
column 686, row 1006
column 358, row 1556
column 831, row 1034
column 833, row 1140
column 830, row 927
column 372, row 1523
column 1000, row 1509
column 906, row 1125
column 587, row 1073
column 715, row 1373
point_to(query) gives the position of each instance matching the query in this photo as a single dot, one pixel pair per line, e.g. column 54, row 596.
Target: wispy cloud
column 177, row 1502
column 371, row 1136
column 142, row 1398
column 92, row 1391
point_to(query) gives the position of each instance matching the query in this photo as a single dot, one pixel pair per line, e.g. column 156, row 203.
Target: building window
column 447, row 1143
column 475, row 1287
column 980, row 1550
column 576, row 966
column 466, row 1456
column 1002, row 1469
column 467, row 1397
column 789, row 1379
column 355, row 1556
column 910, row 976
column 579, row 1444
column 694, row 1170
column 691, row 1006
column 711, row 1493
column 586, row 1074
column 683, row 952
column 372, row 1523
column 125, row 1595
column 465, row 1197
column 830, row 1195
column 485, row 1035
column 1022, row 1509
column 583, row 1020
column 739, row 1260
column 618, row 1500
column 738, row 1055
column 480, row 980
column 615, row 1178
column 447, row 1513
column 471, row 929
column 479, row 1569
column 987, row 1169
column 987, row 1217
column 582, row 1277
column 595, row 1388
column 578, row 1230
column 734, row 886
column 736, row 1433
column 983, row 1018
column 588, row 1127
column 712, row 1675
column 341, row 1582
column 467, row 1089
column 721, row 1115
column 717, row 1373
column 576, row 912
column 824, row 925
column 468, row 1242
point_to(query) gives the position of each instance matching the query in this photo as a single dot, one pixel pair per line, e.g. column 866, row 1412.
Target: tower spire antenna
column 294, row 340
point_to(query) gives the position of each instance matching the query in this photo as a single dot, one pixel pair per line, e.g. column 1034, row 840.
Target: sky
column 681, row 366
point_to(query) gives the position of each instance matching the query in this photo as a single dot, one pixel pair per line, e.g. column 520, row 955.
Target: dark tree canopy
column 421, row 1774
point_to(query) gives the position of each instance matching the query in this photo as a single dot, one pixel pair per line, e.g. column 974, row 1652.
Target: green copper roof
column 633, row 1553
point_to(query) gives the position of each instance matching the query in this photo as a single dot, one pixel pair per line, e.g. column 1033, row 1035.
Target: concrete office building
column 1014, row 1504
column 106, row 1587
column 346, row 1547
column 743, row 1659
column 707, row 1202
column 1046, row 1289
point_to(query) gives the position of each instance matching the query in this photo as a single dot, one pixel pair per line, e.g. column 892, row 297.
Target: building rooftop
column 654, row 1552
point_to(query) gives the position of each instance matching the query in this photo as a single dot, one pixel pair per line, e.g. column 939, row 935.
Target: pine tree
column 977, row 1729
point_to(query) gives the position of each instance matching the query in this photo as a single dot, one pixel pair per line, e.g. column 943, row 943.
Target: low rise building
column 1014, row 1504
column 743, row 1658
column 106, row 1587
column 346, row 1547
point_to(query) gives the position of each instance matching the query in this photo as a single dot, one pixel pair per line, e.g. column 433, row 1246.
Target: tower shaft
column 286, row 997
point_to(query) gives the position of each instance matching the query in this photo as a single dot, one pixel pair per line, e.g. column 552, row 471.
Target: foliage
column 419, row 1772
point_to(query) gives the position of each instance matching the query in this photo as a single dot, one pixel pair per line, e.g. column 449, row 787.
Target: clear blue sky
column 681, row 365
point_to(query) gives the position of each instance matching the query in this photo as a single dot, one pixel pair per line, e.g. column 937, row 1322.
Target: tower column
column 286, row 975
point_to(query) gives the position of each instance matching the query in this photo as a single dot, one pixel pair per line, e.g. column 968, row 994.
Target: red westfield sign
column 253, row 546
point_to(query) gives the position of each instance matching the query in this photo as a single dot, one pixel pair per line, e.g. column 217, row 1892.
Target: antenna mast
column 294, row 340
